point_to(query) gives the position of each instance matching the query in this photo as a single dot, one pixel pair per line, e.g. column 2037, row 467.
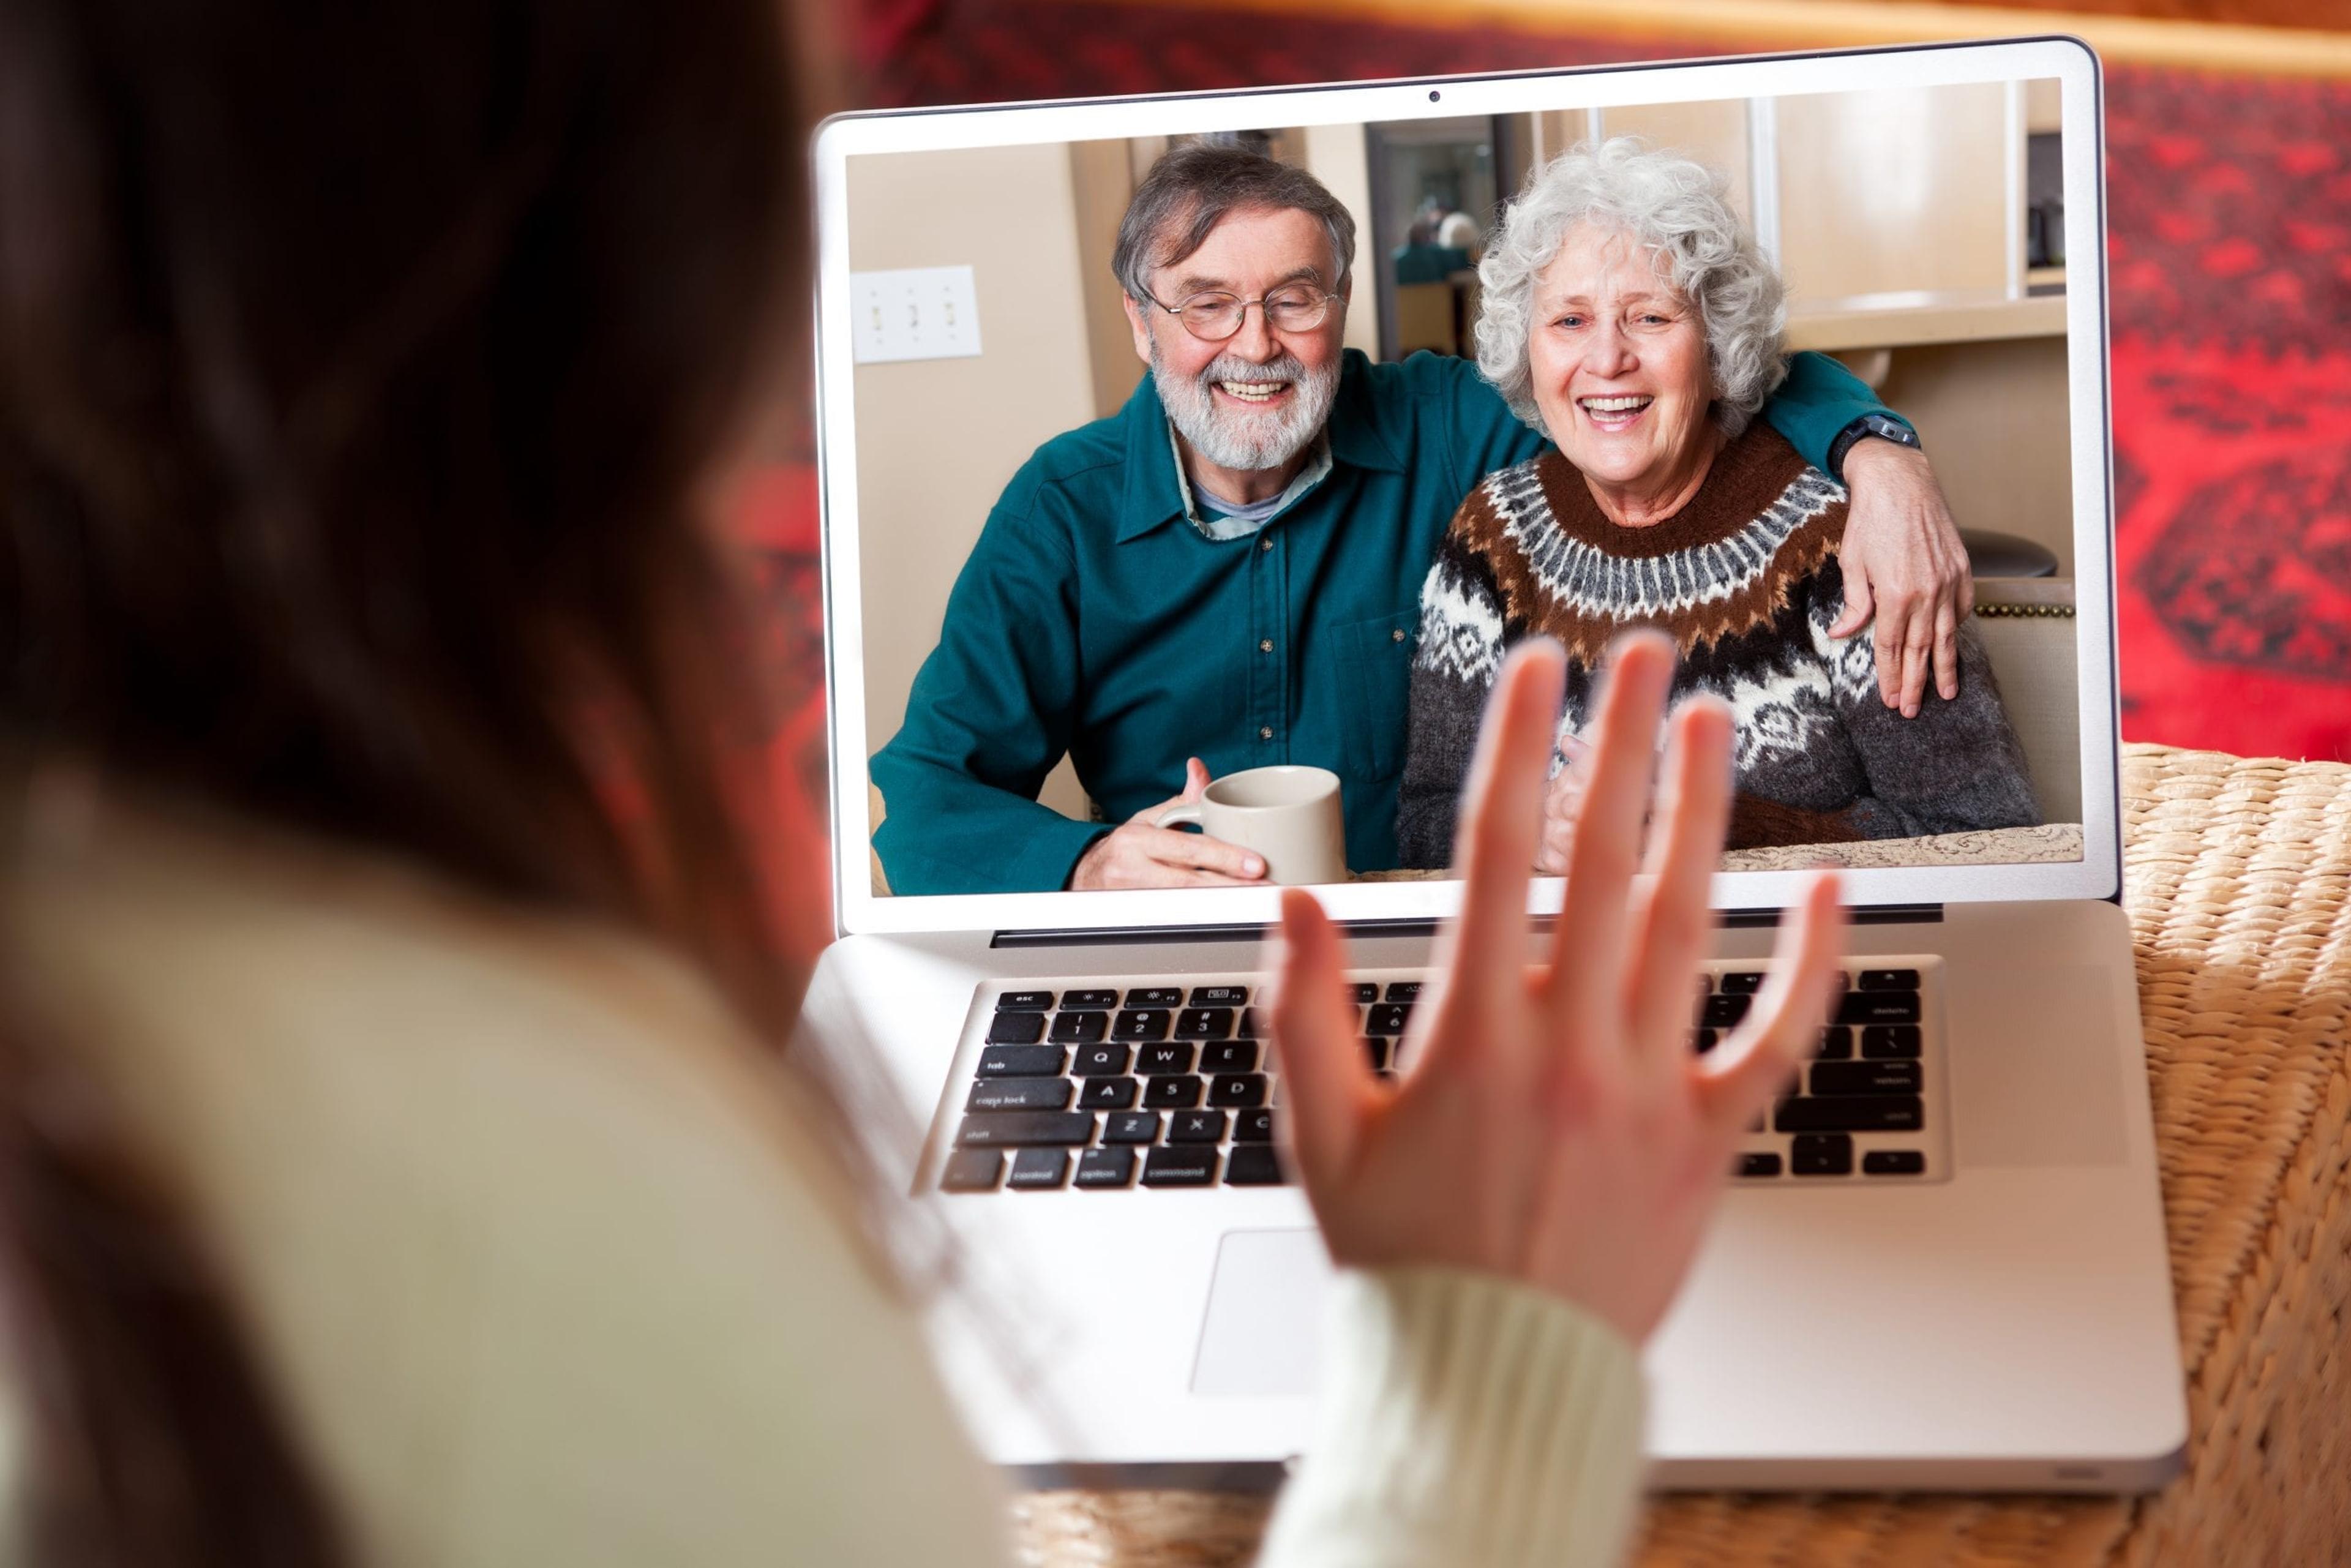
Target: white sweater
column 546, row 1272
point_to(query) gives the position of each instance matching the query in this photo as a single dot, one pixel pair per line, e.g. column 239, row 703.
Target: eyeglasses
column 1212, row 317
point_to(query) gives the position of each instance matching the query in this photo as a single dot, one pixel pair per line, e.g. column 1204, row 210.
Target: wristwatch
column 1861, row 429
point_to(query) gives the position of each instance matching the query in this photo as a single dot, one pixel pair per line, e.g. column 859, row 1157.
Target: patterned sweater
column 1745, row 579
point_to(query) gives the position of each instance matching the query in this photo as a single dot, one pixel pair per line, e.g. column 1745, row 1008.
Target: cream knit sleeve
column 1465, row 1421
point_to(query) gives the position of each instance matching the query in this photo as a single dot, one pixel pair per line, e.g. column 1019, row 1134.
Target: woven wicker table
column 2237, row 879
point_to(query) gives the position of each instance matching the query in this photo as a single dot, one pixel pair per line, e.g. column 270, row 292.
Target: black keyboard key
column 1131, row 1127
column 1019, row 1094
column 1016, row 1028
column 1180, row 1165
column 1145, row 1023
column 1723, row 1010
column 1404, row 991
column 1377, row 1050
column 1219, row 995
column 1254, row 1164
column 1253, row 1127
column 1033, row 1169
column 1022, row 1062
column 1196, row 1127
column 1388, row 1019
column 1156, row 997
column 1241, row 1090
column 1704, row 1040
column 1878, row 1007
column 1079, row 1028
column 1893, row 1162
column 1025, row 1001
column 1851, row 1113
column 1089, row 998
column 1366, row 993
column 1888, row 981
column 1743, row 982
column 972, row 1170
column 1164, row 1059
column 1100, row 1060
column 1836, row 1043
column 1107, row 1094
column 1230, row 1056
column 1888, row 1042
column 1172, row 1092
column 1017, row 1129
column 1246, row 1027
column 1821, row 1154
column 1866, row 1078
column 1203, row 1023
column 1107, row 1168
column 1757, row 1165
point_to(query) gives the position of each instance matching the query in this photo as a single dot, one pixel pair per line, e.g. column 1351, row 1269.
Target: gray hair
column 1669, row 206
column 1191, row 189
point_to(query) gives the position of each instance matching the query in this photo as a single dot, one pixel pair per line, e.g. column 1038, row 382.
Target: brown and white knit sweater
column 1745, row 579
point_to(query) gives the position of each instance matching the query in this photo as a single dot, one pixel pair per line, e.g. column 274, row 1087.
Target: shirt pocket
column 1378, row 682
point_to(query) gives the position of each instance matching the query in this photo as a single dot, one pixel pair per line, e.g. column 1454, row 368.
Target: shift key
column 1021, row 1129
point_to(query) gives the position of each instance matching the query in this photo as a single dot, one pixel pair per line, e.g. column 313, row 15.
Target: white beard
column 1242, row 439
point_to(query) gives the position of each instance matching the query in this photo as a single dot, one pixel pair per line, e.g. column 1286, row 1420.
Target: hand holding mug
column 1139, row 852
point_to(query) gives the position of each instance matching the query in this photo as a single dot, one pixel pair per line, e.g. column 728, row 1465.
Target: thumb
column 1324, row 1073
column 1860, row 601
column 1195, row 780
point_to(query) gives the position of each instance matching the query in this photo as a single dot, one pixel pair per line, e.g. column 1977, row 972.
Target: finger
column 1588, row 944
column 1676, row 921
column 1739, row 1080
column 1201, row 852
column 1917, row 649
column 1195, row 779
column 1860, row 602
column 1946, row 652
column 1487, row 946
column 1886, row 642
column 1324, row 1075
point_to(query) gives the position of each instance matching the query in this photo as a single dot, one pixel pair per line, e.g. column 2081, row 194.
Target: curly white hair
column 1671, row 206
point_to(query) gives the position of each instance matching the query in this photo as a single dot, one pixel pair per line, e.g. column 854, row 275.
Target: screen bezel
column 2070, row 61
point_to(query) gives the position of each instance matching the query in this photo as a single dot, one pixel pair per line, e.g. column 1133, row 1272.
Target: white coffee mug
column 1289, row 814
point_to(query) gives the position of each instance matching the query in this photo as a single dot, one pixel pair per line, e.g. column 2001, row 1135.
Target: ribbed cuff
column 1464, row 1419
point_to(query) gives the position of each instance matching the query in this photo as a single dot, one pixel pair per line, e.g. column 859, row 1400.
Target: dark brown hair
column 359, row 366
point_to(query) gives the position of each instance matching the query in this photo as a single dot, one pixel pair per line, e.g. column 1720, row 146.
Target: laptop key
column 1219, row 995
column 1893, row 1162
column 1037, row 1168
column 1107, row 1094
column 1025, row 1001
column 972, row 1170
column 1022, row 1062
column 1757, row 1165
column 1016, row 1028
column 1140, row 1023
column 1377, row 1050
column 1156, row 997
column 1107, row 1168
column 1878, row 1007
column 1724, row 1009
column 1890, row 1041
column 1255, row 1164
column 1246, row 1027
column 1230, row 1056
column 1018, row 1129
column 1821, row 1154
column 1089, row 998
column 1180, row 1165
column 1253, row 1127
column 1743, row 982
column 1196, row 1127
column 1836, row 1043
column 1851, row 1113
column 1164, row 1059
column 1404, row 991
column 1131, row 1127
column 1388, row 1019
column 1203, row 1023
column 1888, row 981
column 1236, row 1088
column 1100, row 1060
column 1704, row 1040
column 1866, row 1078
column 1172, row 1092
column 1078, row 1028
column 1019, row 1094
column 1366, row 993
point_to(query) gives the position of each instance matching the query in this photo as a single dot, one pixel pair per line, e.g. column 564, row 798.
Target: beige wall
column 1335, row 154
column 937, row 439
column 1715, row 133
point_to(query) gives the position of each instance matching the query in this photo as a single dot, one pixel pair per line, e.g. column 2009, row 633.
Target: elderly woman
column 1629, row 318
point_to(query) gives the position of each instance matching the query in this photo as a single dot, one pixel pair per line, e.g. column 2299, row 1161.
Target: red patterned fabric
column 2229, row 222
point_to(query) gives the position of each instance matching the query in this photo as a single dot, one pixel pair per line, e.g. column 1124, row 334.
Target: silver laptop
column 1943, row 1263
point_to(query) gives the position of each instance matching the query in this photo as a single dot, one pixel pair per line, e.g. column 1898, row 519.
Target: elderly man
column 1227, row 573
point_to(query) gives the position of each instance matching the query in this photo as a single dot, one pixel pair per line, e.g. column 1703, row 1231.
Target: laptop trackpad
column 1263, row 1336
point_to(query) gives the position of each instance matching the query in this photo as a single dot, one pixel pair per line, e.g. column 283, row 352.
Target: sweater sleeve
column 1464, row 1419
column 1815, row 403
column 1956, row 767
column 1453, row 671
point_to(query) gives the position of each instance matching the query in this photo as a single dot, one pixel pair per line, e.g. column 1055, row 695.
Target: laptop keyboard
column 1095, row 1087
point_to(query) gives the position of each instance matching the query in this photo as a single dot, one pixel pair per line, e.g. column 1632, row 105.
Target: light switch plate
column 914, row 313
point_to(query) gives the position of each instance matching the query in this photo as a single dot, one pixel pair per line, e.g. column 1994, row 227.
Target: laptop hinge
column 1864, row 914
column 1141, row 935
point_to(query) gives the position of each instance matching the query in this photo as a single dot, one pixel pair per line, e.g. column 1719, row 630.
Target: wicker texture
column 2237, row 878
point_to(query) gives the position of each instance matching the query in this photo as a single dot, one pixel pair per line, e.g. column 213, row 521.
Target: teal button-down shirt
column 1094, row 619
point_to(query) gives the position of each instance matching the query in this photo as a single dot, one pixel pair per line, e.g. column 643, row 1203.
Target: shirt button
column 1265, row 731
column 1396, row 635
column 1265, row 646
column 1265, row 544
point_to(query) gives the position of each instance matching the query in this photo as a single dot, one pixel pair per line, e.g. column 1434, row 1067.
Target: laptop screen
column 1200, row 475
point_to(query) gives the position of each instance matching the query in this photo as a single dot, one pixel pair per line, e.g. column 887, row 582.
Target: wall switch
column 914, row 313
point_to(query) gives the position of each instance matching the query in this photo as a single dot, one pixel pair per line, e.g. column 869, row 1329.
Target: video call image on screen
column 1149, row 471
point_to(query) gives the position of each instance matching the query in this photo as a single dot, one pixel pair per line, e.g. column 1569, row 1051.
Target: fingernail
column 1255, row 866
